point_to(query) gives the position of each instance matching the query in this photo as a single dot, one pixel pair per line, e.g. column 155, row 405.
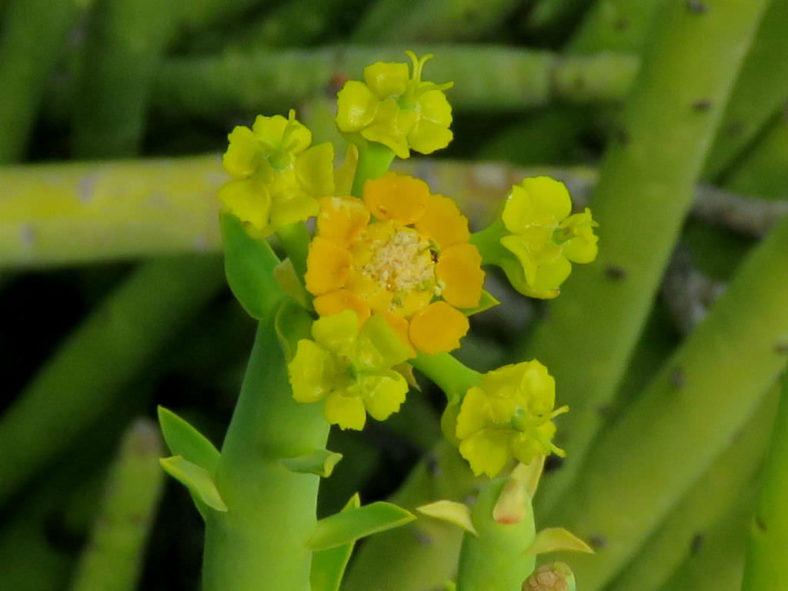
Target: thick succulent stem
column 113, row 344
column 766, row 567
column 686, row 416
column 260, row 542
column 113, row 556
column 126, row 40
column 642, row 198
column 32, row 35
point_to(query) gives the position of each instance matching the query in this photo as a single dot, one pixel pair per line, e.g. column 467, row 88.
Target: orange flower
column 401, row 252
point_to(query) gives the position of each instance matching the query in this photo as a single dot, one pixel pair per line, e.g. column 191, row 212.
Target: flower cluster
column 396, row 108
column 278, row 176
column 350, row 367
column 508, row 417
column 401, row 252
column 538, row 238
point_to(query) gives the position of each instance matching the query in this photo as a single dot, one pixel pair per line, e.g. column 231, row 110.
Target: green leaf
column 187, row 442
column 328, row 566
column 249, row 265
column 486, row 302
column 292, row 323
column 196, row 479
column 452, row 512
column 353, row 524
column 320, row 462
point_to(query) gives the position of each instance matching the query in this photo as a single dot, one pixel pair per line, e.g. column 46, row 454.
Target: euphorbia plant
column 385, row 283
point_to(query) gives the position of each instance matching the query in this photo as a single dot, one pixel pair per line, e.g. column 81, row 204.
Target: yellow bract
column 544, row 237
column 508, row 417
column 396, row 109
column 402, row 252
column 278, row 177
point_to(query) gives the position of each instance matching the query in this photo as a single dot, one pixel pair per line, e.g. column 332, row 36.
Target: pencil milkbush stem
column 642, row 198
column 260, row 542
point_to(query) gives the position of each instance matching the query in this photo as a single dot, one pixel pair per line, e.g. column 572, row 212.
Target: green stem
column 295, row 240
column 685, row 418
column 126, row 40
column 423, row 554
column 710, row 497
column 766, row 567
column 718, row 562
column 113, row 557
column 591, row 330
column 33, row 32
column 763, row 171
column 760, row 92
column 113, row 345
column 614, row 25
column 451, row 375
column 373, row 161
column 261, row 541
column 393, row 21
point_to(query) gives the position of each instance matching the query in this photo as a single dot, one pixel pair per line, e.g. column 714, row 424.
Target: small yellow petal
column 459, row 269
column 474, row 413
column 248, row 200
column 244, row 153
column 346, row 411
column 426, row 137
column 327, row 266
column 356, row 106
column 383, row 394
column 314, row 169
column 402, row 199
column 342, row 299
column 434, row 107
column 269, row 130
column 443, row 222
column 487, row 451
column 341, row 219
column 438, row 328
column 387, row 79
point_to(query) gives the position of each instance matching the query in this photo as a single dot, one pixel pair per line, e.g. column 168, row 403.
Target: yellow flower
column 508, row 417
column 413, row 263
column 278, row 175
column 537, row 228
column 351, row 369
column 396, row 109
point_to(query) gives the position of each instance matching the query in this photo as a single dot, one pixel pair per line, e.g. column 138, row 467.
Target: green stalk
column 33, row 32
column 685, row 418
column 715, row 492
column 760, row 92
column 614, row 25
column 373, row 161
column 394, row 21
column 260, row 543
column 113, row 557
column 718, row 563
column 551, row 20
column 451, row 375
column 125, row 42
column 763, row 171
column 422, row 555
column 265, row 82
column 766, row 567
column 113, row 345
column 641, row 201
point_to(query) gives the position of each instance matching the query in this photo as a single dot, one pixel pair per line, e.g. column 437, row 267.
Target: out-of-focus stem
column 766, row 566
column 126, row 40
column 614, row 25
column 33, row 32
column 642, row 198
column 685, row 418
column 113, row 557
column 684, row 530
column 111, row 346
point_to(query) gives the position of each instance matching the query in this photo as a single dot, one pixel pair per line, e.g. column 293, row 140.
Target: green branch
column 113, row 557
column 113, row 344
column 642, row 198
column 766, row 566
column 686, row 416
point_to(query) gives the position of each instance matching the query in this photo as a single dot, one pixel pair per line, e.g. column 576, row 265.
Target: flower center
column 402, row 263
